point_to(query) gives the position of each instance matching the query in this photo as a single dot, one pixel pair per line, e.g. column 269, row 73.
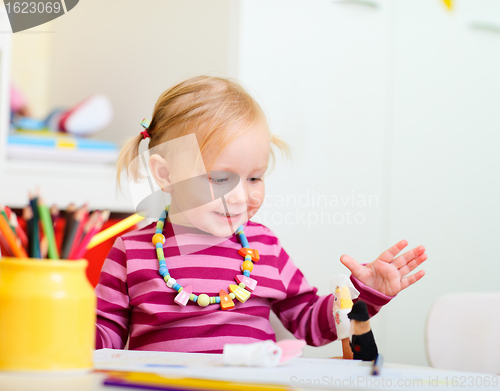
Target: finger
column 408, row 256
column 352, row 265
column 412, row 265
column 388, row 255
column 410, row 280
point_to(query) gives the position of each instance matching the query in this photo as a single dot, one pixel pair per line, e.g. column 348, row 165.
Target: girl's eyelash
column 218, row 180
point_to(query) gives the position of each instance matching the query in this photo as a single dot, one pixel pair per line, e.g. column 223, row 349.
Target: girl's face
column 235, row 185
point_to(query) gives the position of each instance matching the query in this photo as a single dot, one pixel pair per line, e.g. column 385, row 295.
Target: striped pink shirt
column 132, row 297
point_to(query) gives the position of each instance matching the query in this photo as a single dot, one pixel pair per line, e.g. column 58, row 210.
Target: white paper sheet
column 331, row 374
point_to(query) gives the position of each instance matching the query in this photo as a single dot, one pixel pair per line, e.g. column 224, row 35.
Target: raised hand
column 388, row 274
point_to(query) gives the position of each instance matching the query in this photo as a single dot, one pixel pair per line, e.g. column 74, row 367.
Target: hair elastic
column 145, row 124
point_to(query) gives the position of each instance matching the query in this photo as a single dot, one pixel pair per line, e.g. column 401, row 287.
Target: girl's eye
column 254, row 180
column 218, row 181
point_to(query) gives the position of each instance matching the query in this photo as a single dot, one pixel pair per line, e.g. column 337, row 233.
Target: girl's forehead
column 249, row 151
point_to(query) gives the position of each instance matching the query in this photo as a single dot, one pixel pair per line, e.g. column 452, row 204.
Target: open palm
column 388, row 273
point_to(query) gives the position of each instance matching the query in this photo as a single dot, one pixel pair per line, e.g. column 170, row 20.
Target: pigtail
column 282, row 146
column 127, row 159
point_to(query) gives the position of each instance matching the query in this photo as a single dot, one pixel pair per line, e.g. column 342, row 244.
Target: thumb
column 352, row 265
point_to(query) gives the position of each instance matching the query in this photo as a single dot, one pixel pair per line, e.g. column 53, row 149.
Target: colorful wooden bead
column 171, row 281
column 241, row 294
column 247, row 265
column 145, row 123
column 243, row 239
column 163, row 271
column 226, row 303
column 183, row 297
column 251, row 252
column 158, row 238
column 250, row 283
column 203, row 300
column 224, row 299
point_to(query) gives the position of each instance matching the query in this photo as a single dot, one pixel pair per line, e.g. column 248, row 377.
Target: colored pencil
column 59, row 229
column 70, row 213
column 44, row 247
column 48, row 230
column 82, row 230
column 152, row 381
column 78, row 217
column 82, row 249
column 17, row 228
column 4, row 247
column 54, row 214
column 5, row 211
column 28, row 218
column 114, row 230
column 11, row 239
column 36, row 235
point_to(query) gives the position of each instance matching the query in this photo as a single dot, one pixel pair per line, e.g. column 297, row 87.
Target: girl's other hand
column 387, row 274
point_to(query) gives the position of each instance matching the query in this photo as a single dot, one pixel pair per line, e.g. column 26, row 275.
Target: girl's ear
column 160, row 169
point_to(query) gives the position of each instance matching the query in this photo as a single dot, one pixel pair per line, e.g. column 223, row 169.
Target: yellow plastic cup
column 47, row 315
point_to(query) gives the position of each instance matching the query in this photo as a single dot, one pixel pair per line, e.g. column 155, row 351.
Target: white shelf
column 58, row 183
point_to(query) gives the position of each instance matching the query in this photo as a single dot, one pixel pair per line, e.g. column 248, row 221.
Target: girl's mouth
column 228, row 216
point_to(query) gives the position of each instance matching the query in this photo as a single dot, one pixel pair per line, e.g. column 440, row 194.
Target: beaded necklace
column 240, row 291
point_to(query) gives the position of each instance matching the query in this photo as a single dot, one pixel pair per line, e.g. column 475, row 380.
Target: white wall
column 446, row 129
column 326, row 97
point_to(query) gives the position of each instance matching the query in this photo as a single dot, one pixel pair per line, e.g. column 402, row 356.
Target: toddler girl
column 205, row 275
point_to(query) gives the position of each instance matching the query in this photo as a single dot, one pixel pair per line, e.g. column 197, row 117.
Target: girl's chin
column 226, row 226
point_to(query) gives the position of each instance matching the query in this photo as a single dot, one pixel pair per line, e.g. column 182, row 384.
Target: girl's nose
column 237, row 195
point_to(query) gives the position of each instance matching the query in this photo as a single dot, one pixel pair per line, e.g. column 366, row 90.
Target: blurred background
column 391, row 109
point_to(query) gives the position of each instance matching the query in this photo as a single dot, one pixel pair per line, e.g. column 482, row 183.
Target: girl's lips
column 228, row 218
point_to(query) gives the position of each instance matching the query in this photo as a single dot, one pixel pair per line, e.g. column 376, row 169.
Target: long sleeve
column 374, row 300
column 113, row 306
column 309, row 316
column 305, row 314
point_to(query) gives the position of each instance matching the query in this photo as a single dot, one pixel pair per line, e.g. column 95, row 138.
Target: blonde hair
column 207, row 106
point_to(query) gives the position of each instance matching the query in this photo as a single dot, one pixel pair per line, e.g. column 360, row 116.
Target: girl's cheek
column 256, row 198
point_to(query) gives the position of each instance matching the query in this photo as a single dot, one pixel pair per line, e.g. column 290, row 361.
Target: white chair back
column 463, row 332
